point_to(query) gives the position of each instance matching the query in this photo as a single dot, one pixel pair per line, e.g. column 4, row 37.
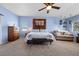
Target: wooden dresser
column 13, row 34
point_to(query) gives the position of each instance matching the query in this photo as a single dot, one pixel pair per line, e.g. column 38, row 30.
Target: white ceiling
column 31, row 9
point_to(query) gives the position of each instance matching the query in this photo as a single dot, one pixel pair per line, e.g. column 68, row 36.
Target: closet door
column 1, row 29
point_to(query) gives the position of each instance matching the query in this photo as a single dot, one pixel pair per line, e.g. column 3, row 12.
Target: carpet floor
column 57, row 48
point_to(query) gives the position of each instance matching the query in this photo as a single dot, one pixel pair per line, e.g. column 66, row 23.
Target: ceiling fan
column 49, row 6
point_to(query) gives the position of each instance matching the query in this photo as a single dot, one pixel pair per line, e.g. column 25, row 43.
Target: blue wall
column 52, row 23
column 9, row 18
column 69, row 26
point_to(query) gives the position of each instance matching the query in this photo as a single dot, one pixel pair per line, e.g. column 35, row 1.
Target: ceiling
column 31, row 9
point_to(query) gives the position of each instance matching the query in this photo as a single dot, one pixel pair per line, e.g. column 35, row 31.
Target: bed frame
column 39, row 41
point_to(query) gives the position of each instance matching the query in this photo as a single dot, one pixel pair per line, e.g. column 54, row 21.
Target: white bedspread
column 39, row 35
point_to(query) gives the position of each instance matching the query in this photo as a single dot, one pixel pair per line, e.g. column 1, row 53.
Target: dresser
column 13, row 34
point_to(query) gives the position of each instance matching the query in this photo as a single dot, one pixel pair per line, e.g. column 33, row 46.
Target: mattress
column 46, row 35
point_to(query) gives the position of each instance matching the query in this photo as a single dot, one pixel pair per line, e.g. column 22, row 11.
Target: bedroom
column 62, row 24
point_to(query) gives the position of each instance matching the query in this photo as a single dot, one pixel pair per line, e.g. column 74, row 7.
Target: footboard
column 39, row 41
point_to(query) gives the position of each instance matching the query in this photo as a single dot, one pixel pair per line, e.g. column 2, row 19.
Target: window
column 76, row 26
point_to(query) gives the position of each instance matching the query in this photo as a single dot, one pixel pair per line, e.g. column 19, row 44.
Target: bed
column 39, row 37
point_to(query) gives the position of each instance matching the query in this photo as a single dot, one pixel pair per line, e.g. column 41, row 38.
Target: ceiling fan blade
column 42, row 9
column 52, row 3
column 47, row 11
column 55, row 7
column 46, row 4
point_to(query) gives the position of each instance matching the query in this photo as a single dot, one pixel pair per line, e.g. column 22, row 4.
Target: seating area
column 65, row 36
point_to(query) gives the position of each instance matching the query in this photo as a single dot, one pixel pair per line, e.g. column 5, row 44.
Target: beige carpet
column 58, row 48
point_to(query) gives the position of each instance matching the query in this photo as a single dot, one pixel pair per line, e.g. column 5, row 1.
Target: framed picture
column 70, row 22
column 60, row 22
column 39, row 23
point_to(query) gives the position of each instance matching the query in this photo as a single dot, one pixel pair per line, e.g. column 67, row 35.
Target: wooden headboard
column 39, row 24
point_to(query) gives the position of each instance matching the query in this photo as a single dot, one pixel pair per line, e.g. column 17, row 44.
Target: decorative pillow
column 68, row 33
column 62, row 33
column 58, row 33
column 35, row 30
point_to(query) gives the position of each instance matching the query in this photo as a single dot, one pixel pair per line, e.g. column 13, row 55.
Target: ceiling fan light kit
column 49, row 6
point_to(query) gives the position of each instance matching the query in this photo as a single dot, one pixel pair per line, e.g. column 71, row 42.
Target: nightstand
column 77, row 39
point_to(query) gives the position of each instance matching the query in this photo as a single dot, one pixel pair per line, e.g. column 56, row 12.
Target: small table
column 77, row 39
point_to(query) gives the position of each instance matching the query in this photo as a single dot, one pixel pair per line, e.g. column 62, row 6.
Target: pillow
column 68, row 33
column 35, row 30
column 58, row 33
column 62, row 33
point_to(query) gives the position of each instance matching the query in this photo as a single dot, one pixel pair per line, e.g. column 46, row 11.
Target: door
column 1, row 29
